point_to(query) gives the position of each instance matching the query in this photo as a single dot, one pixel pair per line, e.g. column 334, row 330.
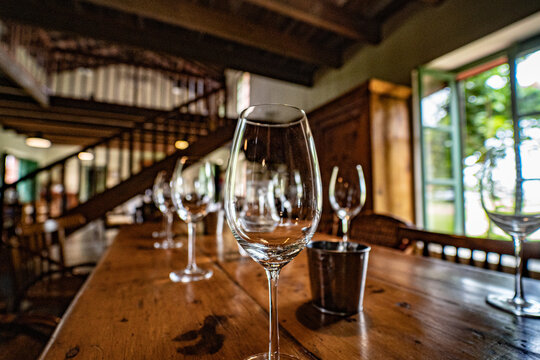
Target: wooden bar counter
column 414, row 308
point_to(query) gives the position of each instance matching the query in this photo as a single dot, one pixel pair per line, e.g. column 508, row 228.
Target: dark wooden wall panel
column 363, row 127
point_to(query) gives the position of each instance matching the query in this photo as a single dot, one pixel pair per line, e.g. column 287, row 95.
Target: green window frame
column 455, row 129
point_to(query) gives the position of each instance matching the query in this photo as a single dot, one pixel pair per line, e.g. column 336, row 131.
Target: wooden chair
column 448, row 247
column 378, row 229
column 40, row 285
column 40, row 280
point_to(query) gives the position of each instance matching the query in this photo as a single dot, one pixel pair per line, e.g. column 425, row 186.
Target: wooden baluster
column 79, row 186
column 107, row 161
column 48, row 195
column 93, row 179
column 131, row 152
column 154, row 140
column 167, row 135
column 425, row 250
column 471, row 260
column 141, row 146
column 64, row 190
column 120, row 157
column 2, row 190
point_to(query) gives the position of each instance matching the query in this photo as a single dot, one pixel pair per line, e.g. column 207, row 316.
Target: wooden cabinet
column 371, row 126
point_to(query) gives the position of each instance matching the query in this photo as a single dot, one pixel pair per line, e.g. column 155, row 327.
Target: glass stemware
column 273, row 196
column 161, row 194
column 193, row 194
column 510, row 194
column 347, row 193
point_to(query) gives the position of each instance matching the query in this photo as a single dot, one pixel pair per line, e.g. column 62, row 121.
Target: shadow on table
column 315, row 320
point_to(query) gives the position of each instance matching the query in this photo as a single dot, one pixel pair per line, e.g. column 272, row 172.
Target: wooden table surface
column 414, row 308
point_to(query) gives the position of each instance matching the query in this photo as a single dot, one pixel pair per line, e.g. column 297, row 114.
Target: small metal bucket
column 337, row 274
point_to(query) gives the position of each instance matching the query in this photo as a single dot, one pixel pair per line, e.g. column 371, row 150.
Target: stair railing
column 72, row 180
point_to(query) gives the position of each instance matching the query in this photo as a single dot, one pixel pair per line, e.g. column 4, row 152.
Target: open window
column 462, row 113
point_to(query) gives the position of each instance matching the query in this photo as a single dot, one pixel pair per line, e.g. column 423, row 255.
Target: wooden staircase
column 123, row 166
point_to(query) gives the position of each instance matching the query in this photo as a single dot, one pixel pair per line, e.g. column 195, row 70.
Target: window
column 464, row 112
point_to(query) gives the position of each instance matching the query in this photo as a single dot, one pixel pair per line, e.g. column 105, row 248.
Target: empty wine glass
column 347, row 194
column 161, row 194
column 273, row 197
column 510, row 194
column 193, row 195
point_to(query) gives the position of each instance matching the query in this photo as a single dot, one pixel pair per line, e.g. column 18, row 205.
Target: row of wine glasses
column 190, row 193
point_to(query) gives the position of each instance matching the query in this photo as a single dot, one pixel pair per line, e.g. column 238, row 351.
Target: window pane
column 488, row 111
column 529, row 128
column 438, row 154
column 435, row 103
column 440, row 207
column 488, row 117
column 528, row 83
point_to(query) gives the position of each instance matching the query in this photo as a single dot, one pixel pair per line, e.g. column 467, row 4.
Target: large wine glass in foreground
column 510, row 193
column 161, row 193
column 347, row 193
column 273, row 196
column 193, row 194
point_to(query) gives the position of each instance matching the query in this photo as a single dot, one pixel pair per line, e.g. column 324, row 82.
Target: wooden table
column 414, row 308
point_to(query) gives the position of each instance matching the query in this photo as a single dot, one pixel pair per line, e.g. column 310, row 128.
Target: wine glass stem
column 273, row 347
column 519, row 297
column 192, row 264
column 345, row 228
column 168, row 230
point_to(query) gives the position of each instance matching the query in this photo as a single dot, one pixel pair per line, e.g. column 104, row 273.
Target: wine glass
column 161, row 194
column 347, row 194
column 273, row 196
column 510, row 194
column 193, row 194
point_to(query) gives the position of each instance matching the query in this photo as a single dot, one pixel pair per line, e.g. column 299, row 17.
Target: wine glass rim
column 245, row 113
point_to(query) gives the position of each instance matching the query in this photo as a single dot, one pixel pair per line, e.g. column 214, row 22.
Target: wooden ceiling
column 283, row 39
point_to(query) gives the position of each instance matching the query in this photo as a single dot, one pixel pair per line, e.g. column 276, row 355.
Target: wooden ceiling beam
column 20, row 76
column 227, row 26
column 31, row 128
column 85, row 121
column 81, row 18
column 77, row 110
column 67, row 118
column 325, row 16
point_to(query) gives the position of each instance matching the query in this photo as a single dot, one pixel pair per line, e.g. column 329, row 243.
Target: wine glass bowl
column 161, row 195
column 347, row 194
column 510, row 195
column 193, row 194
column 272, row 193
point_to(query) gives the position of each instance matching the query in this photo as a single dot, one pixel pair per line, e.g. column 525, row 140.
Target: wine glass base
column 189, row 275
column 264, row 356
column 530, row 308
column 165, row 245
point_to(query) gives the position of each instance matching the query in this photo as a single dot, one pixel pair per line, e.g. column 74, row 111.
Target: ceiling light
column 38, row 142
column 181, row 144
column 85, row 156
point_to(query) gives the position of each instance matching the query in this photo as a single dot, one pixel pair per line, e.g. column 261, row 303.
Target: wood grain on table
column 414, row 308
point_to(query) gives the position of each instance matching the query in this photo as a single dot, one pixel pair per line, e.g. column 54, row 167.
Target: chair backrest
column 36, row 252
column 378, row 229
column 447, row 247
